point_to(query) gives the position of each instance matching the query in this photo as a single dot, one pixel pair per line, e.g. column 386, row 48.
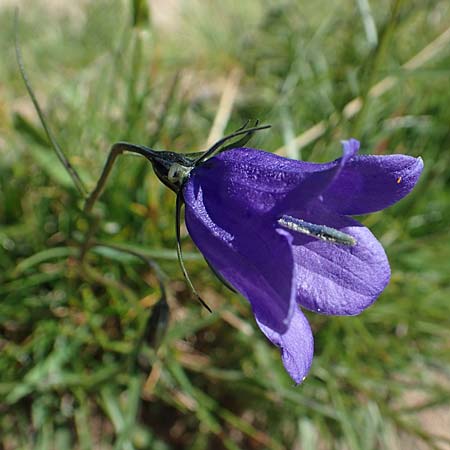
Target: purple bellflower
column 278, row 231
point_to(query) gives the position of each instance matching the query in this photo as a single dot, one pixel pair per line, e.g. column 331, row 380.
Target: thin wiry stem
column 116, row 150
column 59, row 152
column 179, row 204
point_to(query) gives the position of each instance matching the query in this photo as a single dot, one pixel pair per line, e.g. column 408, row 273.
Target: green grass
column 80, row 365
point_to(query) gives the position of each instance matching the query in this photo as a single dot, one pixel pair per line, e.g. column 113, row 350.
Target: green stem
column 116, row 150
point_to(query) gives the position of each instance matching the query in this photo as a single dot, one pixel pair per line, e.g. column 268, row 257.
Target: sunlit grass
column 71, row 376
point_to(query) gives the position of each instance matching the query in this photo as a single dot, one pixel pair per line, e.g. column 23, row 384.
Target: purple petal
column 261, row 182
column 334, row 278
column 248, row 251
column 296, row 345
column 350, row 148
column 371, row 183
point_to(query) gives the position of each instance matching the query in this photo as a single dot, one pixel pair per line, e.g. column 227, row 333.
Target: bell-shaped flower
column 279, row 232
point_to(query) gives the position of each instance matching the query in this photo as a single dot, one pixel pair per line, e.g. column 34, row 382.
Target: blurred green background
column 88, row 359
